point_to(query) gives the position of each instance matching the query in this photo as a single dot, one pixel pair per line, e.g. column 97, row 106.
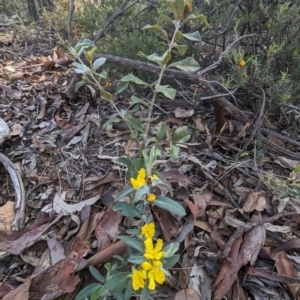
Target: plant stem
column 163, row 68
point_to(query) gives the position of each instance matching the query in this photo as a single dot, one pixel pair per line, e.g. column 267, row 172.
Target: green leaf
column 201, row 18
column 133, row 122
column 154, row 153
column 79, row 84
column 171, row 249
column 128, row 291
column 169, row 205
column 111, row 120
column 118, row 282
column 132, row 78
column 137, row 260
column 121, row 86
column 166, row 90
column 118, row 296
column 160, row 60
column 181, row 49
column 124, row 193
column 96, row 274
column 133, row 243
column 174, row 153
column 177, row 7
column 141, row 192
column 85, row 43
column 127, row 210
column 181, row 135
column 171, row 261
column 89, row 55
column 80, row 68
column 87, row 291
column 133, row 231
column 145, row 295
column 135, row 100
column 99, row 62
column 125, row 161
column 156, row 27
column 194, row 36
column 161, row 131
column 188, row 64
column 96, row 295
column 106, row 95
column 163, row 19
column 103, row 74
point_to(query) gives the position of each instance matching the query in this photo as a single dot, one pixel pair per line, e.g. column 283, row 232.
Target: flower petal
column 151, row 285
column 148, row 230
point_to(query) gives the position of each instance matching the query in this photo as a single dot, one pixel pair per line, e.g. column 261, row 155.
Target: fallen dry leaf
column 107, row 229
column 187, row 294
column 7, row 215
column 27, row 240
column 255, row 201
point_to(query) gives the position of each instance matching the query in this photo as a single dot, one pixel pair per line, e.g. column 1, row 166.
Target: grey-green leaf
column 127, row 210
column 194, row 36
column 181, row 49
column 163, row 19
column 124, row 193
column 99, row 62
column 188, row 64
column 181, row 135
column 133, row 243
column 166, row 90
column 118, row 282
column 156, row 27
column 169, row 205
column 132, row 78
column 87, row 291
column 201, row 18
column 111, row 120
column 96, row 274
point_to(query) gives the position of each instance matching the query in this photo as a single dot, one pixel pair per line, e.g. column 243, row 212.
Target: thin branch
column 114, row 17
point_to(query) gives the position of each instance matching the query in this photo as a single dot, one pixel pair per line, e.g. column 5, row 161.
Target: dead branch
column 70, row 18
column 248, row 226
column 179, row 75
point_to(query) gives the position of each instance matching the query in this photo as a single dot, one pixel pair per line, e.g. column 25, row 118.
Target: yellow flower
column 107, row 83
column 241, row 63
column 140, row 180
column 153, row 253
column 138, row 279
column 148, row 230
column 155, row 273
column 154, row 177
column 151, row 197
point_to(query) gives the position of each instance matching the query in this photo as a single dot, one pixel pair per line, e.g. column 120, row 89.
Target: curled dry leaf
column 16, row 129
column 255, row 201
column 199, row 123
column 183, row 113
column 107, row 228
column 201, row 201
column 228, row 273
column 253, row 242
column 173, row 176
column 7, row 215
column 285, row 266
column 244, row 250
